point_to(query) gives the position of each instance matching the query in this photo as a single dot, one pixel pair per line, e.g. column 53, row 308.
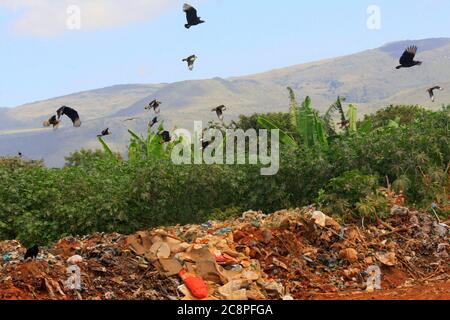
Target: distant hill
column 367, row 79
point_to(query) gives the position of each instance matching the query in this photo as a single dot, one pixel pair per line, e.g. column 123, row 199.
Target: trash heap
column 286, row 255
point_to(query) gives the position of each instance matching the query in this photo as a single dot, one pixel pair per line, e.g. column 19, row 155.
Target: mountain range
column 367, row 79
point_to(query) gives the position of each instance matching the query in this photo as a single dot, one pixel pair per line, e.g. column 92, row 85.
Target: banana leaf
column 352, row 118
column 107, row 149
column 284, row 137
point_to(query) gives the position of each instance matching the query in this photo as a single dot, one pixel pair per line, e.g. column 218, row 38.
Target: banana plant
column 144, row 148
column 309, row 126
column 107, row 149
column 352, row 119
column 329, row 115
column 150, row 147
column 285, row 138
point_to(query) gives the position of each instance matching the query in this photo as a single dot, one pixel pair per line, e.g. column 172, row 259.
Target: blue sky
column 39, row 61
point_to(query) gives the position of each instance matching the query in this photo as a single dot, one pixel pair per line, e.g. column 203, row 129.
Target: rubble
column 286, row 255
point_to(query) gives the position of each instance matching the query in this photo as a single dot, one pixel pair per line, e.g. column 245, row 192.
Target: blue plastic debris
column 223, row 231
column 6, row 258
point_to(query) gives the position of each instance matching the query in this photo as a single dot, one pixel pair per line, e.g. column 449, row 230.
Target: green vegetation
column 341, row 170
column 309, row 128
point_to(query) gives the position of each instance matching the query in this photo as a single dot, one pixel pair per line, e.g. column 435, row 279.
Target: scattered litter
column 74, row 260
column 286, row 255
column 388, row 259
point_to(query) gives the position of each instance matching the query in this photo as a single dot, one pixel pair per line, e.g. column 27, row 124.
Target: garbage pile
column 286, row 255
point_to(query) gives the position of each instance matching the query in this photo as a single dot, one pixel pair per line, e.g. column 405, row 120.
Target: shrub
column 93, row 193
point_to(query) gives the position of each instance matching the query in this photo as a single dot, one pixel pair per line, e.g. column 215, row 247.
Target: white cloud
column 46, row 18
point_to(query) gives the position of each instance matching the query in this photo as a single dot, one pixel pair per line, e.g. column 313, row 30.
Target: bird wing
column 166, row 136
column 408, row 55
column 219, row 113
column 153, row 122
column 151, row 105
column 191, row 13
column 73, row 115
column 60, row 112
column 431, row 93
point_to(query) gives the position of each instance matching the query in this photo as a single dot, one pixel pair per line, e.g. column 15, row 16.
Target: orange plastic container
column 196, row 285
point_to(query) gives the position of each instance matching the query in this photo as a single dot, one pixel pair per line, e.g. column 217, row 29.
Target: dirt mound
column 301, row 254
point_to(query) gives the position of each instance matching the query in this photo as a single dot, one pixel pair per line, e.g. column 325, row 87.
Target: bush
column 93, row 193
column 342, row 194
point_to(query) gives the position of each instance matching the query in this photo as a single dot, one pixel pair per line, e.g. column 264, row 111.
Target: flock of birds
column 192, row 20
column 406, row 61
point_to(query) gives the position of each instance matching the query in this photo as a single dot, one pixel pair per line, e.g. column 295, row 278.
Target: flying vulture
column 53, row 121
column 71, row 113
column 153, row 122
column 407, row 59
column 32, row 252
column 165, row 136
column 219, row 111
column 205, row 144
column 190, row 61
column 191, row 16
column 104, row 133
column 431, row 91
column 155, row 105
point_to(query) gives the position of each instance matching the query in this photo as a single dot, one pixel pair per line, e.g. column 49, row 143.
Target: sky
column 50, row 48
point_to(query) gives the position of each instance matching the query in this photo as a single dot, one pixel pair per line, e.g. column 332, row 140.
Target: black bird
column 104, row 133
column 431, row 91
column 344, row 124
column 219, row 111
column 153, row 122
column 71, row 113
column 20, row 154
column 407, row 59
column 155, row 105
column 205, row 144
column 191, row 16
column 190, row 61
column 166, row 136
column 53, row 121
column 32, row 252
